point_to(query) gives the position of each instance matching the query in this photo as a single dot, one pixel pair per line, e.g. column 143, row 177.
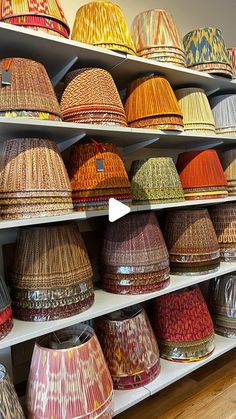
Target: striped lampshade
column 224, row 112
column 10, row 407
column 224, row 221
column 228, row 160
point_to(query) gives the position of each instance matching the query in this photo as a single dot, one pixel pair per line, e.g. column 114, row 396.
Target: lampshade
column 97, row 173
column 156, row 36
column 202, row 175
column 155, row 180
column 232, row 57
column 191, row 241
column 206, row 51
column 134, row 258
column 6, row 320
column 69, row 378
column 52, row 275
column 222, row 295
column 228, row 160
column 223, row 109
column 196, row 110
column 28, row 91
column 183, row 326
column 129, row 347
column 151, row 103
column 10, row 407
column 103, row 24
column 91, row 97
column 224, row 221
column 44, row 15
column 33, row 180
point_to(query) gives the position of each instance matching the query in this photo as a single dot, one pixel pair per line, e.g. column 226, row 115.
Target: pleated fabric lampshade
column 191, row 241
column 183, row 326
column 6, row 320
column 97, row 174
column 151, row 103
column 196, row 110
column 69, row 378
column 129, row 347
column 46, row 15
column 156, row 36
column 224, row 221
column 202, row 175
column 222, row 296
column 134, row 257
column 102, row 23
column 91, row 97
column 26, row 90
column 155, row 180
column 33, row 180
column 224, row 112
column 232, row 57
column 52, row 274
column 228, row 161
column 206, row 51
column 10, row 407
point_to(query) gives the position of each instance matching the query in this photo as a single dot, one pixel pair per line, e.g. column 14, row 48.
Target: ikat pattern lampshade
column 223, row 109
column 224, row 221
column 10, row 407
column 232, row 57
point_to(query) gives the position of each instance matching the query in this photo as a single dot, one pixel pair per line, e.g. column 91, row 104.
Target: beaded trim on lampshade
column 232, row 57
column 10, row 407
column 224, row 109
column 102, row 23
column 222, row 296
column 183, row 326
column 191, row 241
column 91, row 96
column 224, row 221
column 228, row 161
column 155, row 180
column 134, row 257
column 129, row 347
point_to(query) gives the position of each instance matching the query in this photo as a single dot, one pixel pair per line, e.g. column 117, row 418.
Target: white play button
column 117, row 210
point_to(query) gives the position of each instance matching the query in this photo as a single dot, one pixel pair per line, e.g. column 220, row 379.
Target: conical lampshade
column 202, row 175
column 29, row 93
column 222, row 294
column 224, row 221
column 155, row 180
column 91, row 97
column 206, row 51
column 134, row 257
column 183, row 326
column 232, row 57
column 97, row 173
column 10, row 407
column 103, row 24
column 129, row 347
column 52, row 275
column 191, row 241
column 196, row 109
column 6, row 320
column 228, row 160
column 151, row 103
column 223, row 109
column 69, row 378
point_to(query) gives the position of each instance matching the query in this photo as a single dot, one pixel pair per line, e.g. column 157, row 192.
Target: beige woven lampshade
column 228, row 161
column 10, row 407
column 224, row 222
column 224, row 112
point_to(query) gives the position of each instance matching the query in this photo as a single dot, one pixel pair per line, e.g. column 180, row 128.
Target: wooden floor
column 208, row 393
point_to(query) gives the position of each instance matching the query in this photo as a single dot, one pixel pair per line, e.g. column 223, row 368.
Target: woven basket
column 129, row 347
column 201, row 175
column 232, row 57
column 228, row 161
column 30, row 88
column 196, row 109
column 224, row 109
column 155, row 180
column 183, row 326
column 206, row 51
column 191, row 241
column 103, row 24
column 91, row 96
column 10, row 407
column 152, row 97
column 224, row 221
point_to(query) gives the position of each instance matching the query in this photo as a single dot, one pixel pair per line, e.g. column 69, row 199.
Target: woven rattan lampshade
column 91, row 96
column 228, row 161
column 232, row 57
column 222, row 295
column 183, row 326
column 196, row 110
column 224, row 112
column 129, row 347
column 102, row 23
column 156, row 36
column 46, row 15
column 30, row 92
column 191, row 241
column 33, row 180
column 155, row 180
column 69, row 378
column 224, row 222
column 134, row 258
column 97, row 174
column 206, row 51
column 6, row 321
column 52, row 275
column 201, row 175
column 10, row 407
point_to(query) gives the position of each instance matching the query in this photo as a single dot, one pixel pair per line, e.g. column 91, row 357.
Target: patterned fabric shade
column 10, row 407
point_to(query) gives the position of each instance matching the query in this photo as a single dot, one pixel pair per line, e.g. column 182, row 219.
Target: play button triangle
column 117, row 210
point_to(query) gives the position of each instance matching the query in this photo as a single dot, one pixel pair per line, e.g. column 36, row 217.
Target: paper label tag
column 6, row 77
column 100, row 165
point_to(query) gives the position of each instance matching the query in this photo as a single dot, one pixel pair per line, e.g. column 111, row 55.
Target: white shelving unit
column 59, row 55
